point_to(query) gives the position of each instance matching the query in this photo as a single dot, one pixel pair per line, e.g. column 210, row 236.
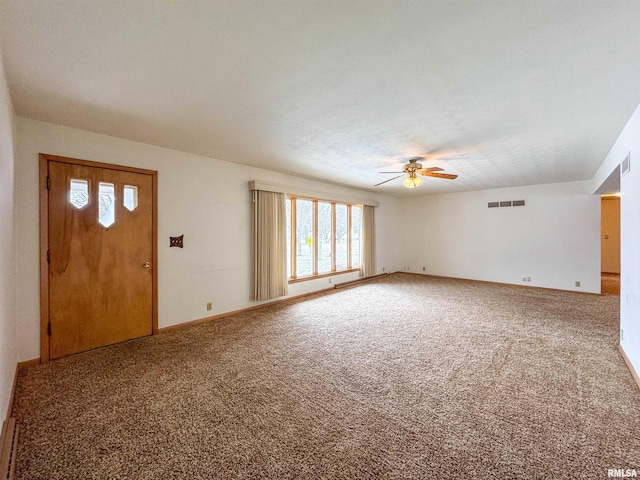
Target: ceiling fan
column 413, row 168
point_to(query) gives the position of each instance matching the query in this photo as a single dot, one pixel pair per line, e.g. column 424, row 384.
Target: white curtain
column 269, row 245
column 368, row 236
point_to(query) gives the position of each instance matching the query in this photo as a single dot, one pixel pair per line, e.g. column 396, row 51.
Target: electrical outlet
column 528, row 279
column 408, row 269
column 424, row 269
column 383, row 269
column 577, row 284
column 524, row 279
column 209, row 306
column 329, row 280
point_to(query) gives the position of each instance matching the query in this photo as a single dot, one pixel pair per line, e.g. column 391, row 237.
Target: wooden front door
column 100, row 255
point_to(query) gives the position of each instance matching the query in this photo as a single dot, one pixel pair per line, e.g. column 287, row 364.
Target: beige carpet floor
column 402, row 377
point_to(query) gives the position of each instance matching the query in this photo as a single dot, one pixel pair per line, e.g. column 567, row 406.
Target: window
column 342, row 227
column 304, row 238
column 79, row 193
column 130, row 197
column 106, row 202
column 288, row 238
column 323, row 237
column 356, row 223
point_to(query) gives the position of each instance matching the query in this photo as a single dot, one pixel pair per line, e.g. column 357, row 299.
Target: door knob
column 146, row 264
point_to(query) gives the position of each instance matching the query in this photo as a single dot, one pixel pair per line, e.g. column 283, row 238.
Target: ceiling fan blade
column 390, row 172
column 378, row 184
column 431, row 169
column 448, row 176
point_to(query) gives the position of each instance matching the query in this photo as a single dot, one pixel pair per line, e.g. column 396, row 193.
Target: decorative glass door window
column 107, row 204
column 79, row 193
column 130, row 197
column 79, row 197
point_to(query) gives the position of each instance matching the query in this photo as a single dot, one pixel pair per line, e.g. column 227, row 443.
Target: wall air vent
column 625, row 166
column 507, row 203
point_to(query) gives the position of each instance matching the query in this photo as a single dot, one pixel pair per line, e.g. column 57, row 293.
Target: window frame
column 294, row 278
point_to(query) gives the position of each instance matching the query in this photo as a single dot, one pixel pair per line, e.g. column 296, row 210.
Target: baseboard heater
column 359, row 280
column 9, row 449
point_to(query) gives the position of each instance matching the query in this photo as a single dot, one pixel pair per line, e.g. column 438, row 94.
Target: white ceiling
column 516, row 92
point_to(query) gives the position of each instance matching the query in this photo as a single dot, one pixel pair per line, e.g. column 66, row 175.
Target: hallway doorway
column 610, row 284
column 610, row 244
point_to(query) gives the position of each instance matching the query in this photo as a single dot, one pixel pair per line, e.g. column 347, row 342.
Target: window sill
column 321, row 275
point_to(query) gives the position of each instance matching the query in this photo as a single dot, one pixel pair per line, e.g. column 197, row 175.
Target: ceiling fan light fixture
column 412, row 182
column 414, row 171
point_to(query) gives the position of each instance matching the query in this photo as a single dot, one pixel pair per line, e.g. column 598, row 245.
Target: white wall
column 7, row 248
column 205, row 199
column 628, row 143
column 554, row 239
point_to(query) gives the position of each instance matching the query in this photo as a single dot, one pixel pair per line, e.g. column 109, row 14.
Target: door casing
column 44, row 241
